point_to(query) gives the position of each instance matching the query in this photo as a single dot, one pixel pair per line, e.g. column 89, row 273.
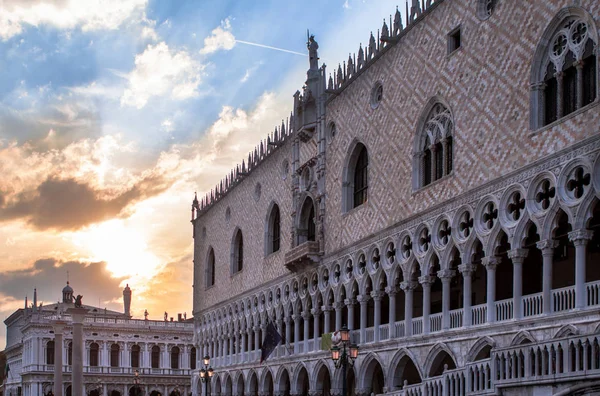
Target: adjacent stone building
column 438, row 194
column 115, row 348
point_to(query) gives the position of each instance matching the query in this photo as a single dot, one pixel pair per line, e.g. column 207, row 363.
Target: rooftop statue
column 312, row 46
column 78, row 303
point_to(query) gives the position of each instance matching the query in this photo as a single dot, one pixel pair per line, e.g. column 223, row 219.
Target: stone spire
column 35, row 300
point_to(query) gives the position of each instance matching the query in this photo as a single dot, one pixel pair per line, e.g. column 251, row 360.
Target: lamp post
column 136, row 383
column 344, row 356
column 206, row 373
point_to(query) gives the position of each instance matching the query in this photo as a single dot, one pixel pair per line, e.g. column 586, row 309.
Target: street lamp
column 344, row 356
column 206, row 373
column 136, row 383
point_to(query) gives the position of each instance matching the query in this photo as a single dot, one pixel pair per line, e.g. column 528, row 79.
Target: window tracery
column 356, row 182
column 210, row 268
column 567, row 77
column 435, row 151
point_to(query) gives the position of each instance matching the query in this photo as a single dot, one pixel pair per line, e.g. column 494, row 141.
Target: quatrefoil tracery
column 516, row 206
column 578, row 183
column 545, row 195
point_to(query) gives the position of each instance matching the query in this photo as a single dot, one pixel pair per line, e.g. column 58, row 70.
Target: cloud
column 89, row 15
column 161, row 71
column 70, row 205
column 220, row 38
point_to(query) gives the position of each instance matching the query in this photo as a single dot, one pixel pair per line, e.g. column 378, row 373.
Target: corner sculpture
column 78, row 303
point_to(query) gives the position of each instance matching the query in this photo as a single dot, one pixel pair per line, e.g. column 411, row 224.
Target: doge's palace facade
column 438, row 193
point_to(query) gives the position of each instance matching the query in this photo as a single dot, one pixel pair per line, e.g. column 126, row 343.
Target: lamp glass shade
column 353, row 351
column 345, row 333
column 210, row 372
column 202, row 373
column 206, row 360
column 335, row 353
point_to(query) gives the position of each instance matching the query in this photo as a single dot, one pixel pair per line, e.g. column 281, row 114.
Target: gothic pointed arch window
column 355, row 184
column 273, row 234
column 307, row 229
column 237, row 252
column 210, row 268
column 433, row 158
column 564, row 75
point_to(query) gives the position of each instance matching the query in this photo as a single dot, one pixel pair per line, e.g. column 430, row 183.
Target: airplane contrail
column 269, row 47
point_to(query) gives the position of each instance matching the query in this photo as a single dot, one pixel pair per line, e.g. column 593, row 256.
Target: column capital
column 349, row 301
column 409, row 285
column 467, row 269
column 547, row 246
column 287, row 319
column 376, row 295
column 491, row 262
column 306, row 315
column 518, row 255
column 363, row 298
column 580, row 237
column 315, row 311
column 297, row 317
column 327, row 308
column 446, row 275
column 391, row 290
column 426, row 280
column 338, row 305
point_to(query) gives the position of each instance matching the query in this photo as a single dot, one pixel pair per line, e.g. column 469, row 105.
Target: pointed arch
column 371, row 375
column 252, row 383
column 355, row 176
column 306, row 223
column 210, row 267
column 282, row 381
column 557, row 51
column 322, row 378
column 566, row 331
column 272, row 229
column 300, row 381
column 439, row 357
column 237, row 251
column 403, row 369
column 480, row 349
column 522, row 337
column 266, row 382
column 433, row 143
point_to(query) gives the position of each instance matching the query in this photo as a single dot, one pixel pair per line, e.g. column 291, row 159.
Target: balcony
column 302, row 256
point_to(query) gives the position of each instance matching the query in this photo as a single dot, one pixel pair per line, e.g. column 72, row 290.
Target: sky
column 113, row 113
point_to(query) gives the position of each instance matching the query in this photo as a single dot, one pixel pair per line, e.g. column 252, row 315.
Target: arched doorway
column 94, row 392
column 284, row 383
column 69, row 391
column 306, row 225
column 351, row 382
column 302, row 382
column 373, row 378
column 217, row 386
column 443, row 361
column 155, row 393
column 240, row 385
column 405, row 373
column 228, row 386
column 323, row 381
column 253, row 385
column 135, row 391
column 267, row 385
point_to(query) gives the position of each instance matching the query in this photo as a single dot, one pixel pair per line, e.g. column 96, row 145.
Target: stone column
column 433, row 150
column 78, row 315
column 467, row 271
column 297, row 318
column 517, row 256
column 491, row 263
column 350, row 304
column 256, row 338
column 559, row 94
column 426, row 282
column 580, row 239
column 306, row 317
column 445, row 155
column 338, row 306
column 327, row 319
column 288, row 330
column 376, row 296
column 408, row 287
column 363, row 300
column 243, row 334
column 446, row 277
column 547, row 248
column 391, row 291
column 58, row 327
column 579, row 68
column 315, row 313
